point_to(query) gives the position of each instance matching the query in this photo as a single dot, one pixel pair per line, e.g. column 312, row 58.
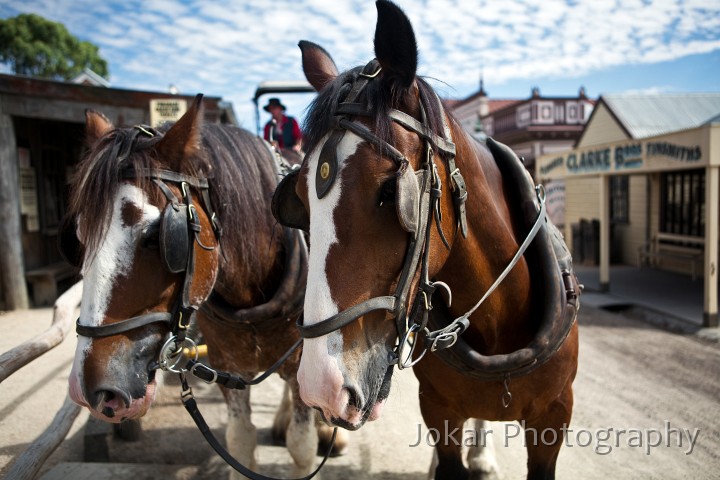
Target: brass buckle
column 181, row 325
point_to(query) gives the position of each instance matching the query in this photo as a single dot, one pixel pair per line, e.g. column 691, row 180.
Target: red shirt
column 287, row 132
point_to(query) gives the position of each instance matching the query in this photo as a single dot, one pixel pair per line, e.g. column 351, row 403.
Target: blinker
column 407, row 198
column 328, row 164
column 174, row 239
column 287, row 208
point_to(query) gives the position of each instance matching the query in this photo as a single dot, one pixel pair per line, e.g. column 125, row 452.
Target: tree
column 35, row 46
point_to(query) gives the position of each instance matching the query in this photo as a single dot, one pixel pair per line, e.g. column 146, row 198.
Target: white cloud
column 227, row 48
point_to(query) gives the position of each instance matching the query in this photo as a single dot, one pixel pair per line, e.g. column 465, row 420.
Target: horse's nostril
column 108, row 399
column 354, row 398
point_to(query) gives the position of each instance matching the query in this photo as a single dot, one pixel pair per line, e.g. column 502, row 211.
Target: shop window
column 619, row 203
column 683, row 203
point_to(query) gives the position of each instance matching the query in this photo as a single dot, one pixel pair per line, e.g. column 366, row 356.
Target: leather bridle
column 183, row 313
column 179, row 318
column 413, row 320
column 430, row 190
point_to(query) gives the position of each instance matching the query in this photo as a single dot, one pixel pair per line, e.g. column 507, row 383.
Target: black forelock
column 377, row 98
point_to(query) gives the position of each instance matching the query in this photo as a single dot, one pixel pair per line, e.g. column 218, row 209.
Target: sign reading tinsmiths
column 635, row 156
column 166, row 110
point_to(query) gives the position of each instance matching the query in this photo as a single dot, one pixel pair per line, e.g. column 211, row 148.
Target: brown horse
column 399, row 202
column 147, row 205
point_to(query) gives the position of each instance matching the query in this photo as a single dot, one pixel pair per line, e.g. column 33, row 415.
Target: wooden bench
column 44, row 281
column 673, row 247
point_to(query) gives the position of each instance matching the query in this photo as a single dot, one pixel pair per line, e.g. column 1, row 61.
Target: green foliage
column 38, row 47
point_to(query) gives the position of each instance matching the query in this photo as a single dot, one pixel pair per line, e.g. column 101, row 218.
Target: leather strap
column 228, row 380
column 170, row 176
column 421, row 129
column 363, row 132
column 551, row 271
column 346, row 317
column 407, row 121
column 369, row 71
column 191, row 406
column 123, row 325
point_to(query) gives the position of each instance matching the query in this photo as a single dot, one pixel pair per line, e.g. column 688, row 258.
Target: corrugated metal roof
column 649, row 115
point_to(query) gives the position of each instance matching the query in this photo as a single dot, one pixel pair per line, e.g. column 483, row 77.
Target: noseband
column 179, row 232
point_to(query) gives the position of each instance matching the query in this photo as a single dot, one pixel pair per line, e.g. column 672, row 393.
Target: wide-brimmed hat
column 273, row 102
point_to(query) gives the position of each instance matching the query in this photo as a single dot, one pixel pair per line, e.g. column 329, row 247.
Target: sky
column 226, row 48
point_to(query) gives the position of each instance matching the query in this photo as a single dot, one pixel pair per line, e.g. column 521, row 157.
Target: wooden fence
column 29, row 463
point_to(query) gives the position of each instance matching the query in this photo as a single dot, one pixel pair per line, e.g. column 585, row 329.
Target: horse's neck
column 477, row 261
column 243, row 283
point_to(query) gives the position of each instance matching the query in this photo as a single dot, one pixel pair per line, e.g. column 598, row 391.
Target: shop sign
column 618, row 158
column 166, row 110
column 680, row 153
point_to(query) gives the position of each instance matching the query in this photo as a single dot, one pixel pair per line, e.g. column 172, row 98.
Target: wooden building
column 646, row 171
column 41, row 140
column 531, row 127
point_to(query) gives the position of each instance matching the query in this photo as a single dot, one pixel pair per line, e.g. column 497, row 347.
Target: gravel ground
column 637, row 386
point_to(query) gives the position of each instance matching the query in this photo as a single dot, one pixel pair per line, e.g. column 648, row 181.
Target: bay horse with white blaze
column 147, row 206
column 401, row 202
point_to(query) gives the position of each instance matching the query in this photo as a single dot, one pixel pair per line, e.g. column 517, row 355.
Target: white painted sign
column 166, row 110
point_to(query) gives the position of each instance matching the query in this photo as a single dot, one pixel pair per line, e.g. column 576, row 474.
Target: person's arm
column 297, row 135
column 266, row 132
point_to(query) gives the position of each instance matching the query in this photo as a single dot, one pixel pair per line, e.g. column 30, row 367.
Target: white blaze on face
column 320, row 372
column 113, row 257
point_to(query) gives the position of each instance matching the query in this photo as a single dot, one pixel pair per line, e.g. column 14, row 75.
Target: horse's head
column 358, row 192
column 146, row 242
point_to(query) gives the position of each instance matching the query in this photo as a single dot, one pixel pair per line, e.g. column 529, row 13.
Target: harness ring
column 172, row 353
column 405, row 361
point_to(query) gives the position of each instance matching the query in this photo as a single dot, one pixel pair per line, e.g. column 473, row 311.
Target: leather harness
column 180, row 219
column 561, row 298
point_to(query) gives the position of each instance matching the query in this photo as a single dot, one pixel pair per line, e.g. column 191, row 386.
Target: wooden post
column 11, row 252
column 29, row 463
column 712, row 217
column 63, row 319
column 604, row 233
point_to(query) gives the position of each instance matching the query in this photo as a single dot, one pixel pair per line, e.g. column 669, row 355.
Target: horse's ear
column 395, row 45
column 318, row 65
column 183, row 139
column 96, row 125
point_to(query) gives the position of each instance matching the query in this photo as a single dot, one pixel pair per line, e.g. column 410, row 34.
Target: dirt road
column 646, row 406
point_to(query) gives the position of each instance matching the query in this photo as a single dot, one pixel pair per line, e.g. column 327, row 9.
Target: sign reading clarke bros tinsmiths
column 623, row 157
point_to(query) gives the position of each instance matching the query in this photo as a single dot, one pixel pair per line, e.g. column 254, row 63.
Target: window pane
column 683, row 203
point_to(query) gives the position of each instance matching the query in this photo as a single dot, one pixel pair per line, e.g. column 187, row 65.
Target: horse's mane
column 238, row 167
column 376, row 97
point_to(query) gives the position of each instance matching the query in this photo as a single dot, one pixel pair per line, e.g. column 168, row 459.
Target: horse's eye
column 151, row 238
column 387, row 192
